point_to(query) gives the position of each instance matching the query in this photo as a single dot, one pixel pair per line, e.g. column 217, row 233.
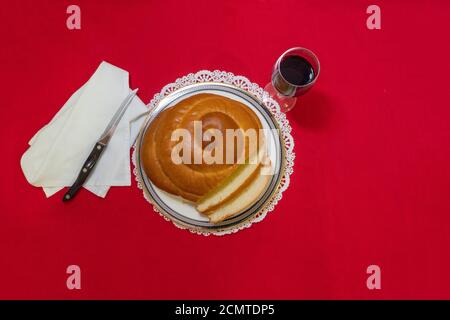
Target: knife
column 100, row 145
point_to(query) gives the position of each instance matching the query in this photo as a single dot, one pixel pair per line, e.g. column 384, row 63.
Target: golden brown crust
column 191, row 181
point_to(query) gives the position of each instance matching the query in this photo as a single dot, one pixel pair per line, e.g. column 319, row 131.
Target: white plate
column 183, row 214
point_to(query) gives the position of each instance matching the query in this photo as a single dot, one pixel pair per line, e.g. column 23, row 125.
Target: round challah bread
column 192, row 180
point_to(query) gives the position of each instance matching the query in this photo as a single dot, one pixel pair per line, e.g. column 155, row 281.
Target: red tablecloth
column 371, row 182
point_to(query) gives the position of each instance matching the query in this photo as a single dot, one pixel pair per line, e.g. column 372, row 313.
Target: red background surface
column 371, row 182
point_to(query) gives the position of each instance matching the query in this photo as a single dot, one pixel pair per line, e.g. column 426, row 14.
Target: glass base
column 286, row 103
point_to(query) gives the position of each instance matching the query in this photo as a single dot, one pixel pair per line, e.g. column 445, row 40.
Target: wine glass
column 294, row 73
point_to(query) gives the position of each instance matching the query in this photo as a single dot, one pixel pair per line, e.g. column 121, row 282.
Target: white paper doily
column 254, row 89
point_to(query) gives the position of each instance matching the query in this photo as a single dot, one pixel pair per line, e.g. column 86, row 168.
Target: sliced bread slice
column 244, row 199
column 230, row 185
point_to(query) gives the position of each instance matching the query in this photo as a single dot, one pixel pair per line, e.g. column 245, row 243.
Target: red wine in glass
column 294, row 73
column 297, row 70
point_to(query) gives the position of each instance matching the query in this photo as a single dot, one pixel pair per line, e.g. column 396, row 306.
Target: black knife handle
column 86, row 170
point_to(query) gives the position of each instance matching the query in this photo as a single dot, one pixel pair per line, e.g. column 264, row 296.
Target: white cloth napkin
column 58, row 150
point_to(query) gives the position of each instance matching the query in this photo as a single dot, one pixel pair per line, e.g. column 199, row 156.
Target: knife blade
column 99, row 147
